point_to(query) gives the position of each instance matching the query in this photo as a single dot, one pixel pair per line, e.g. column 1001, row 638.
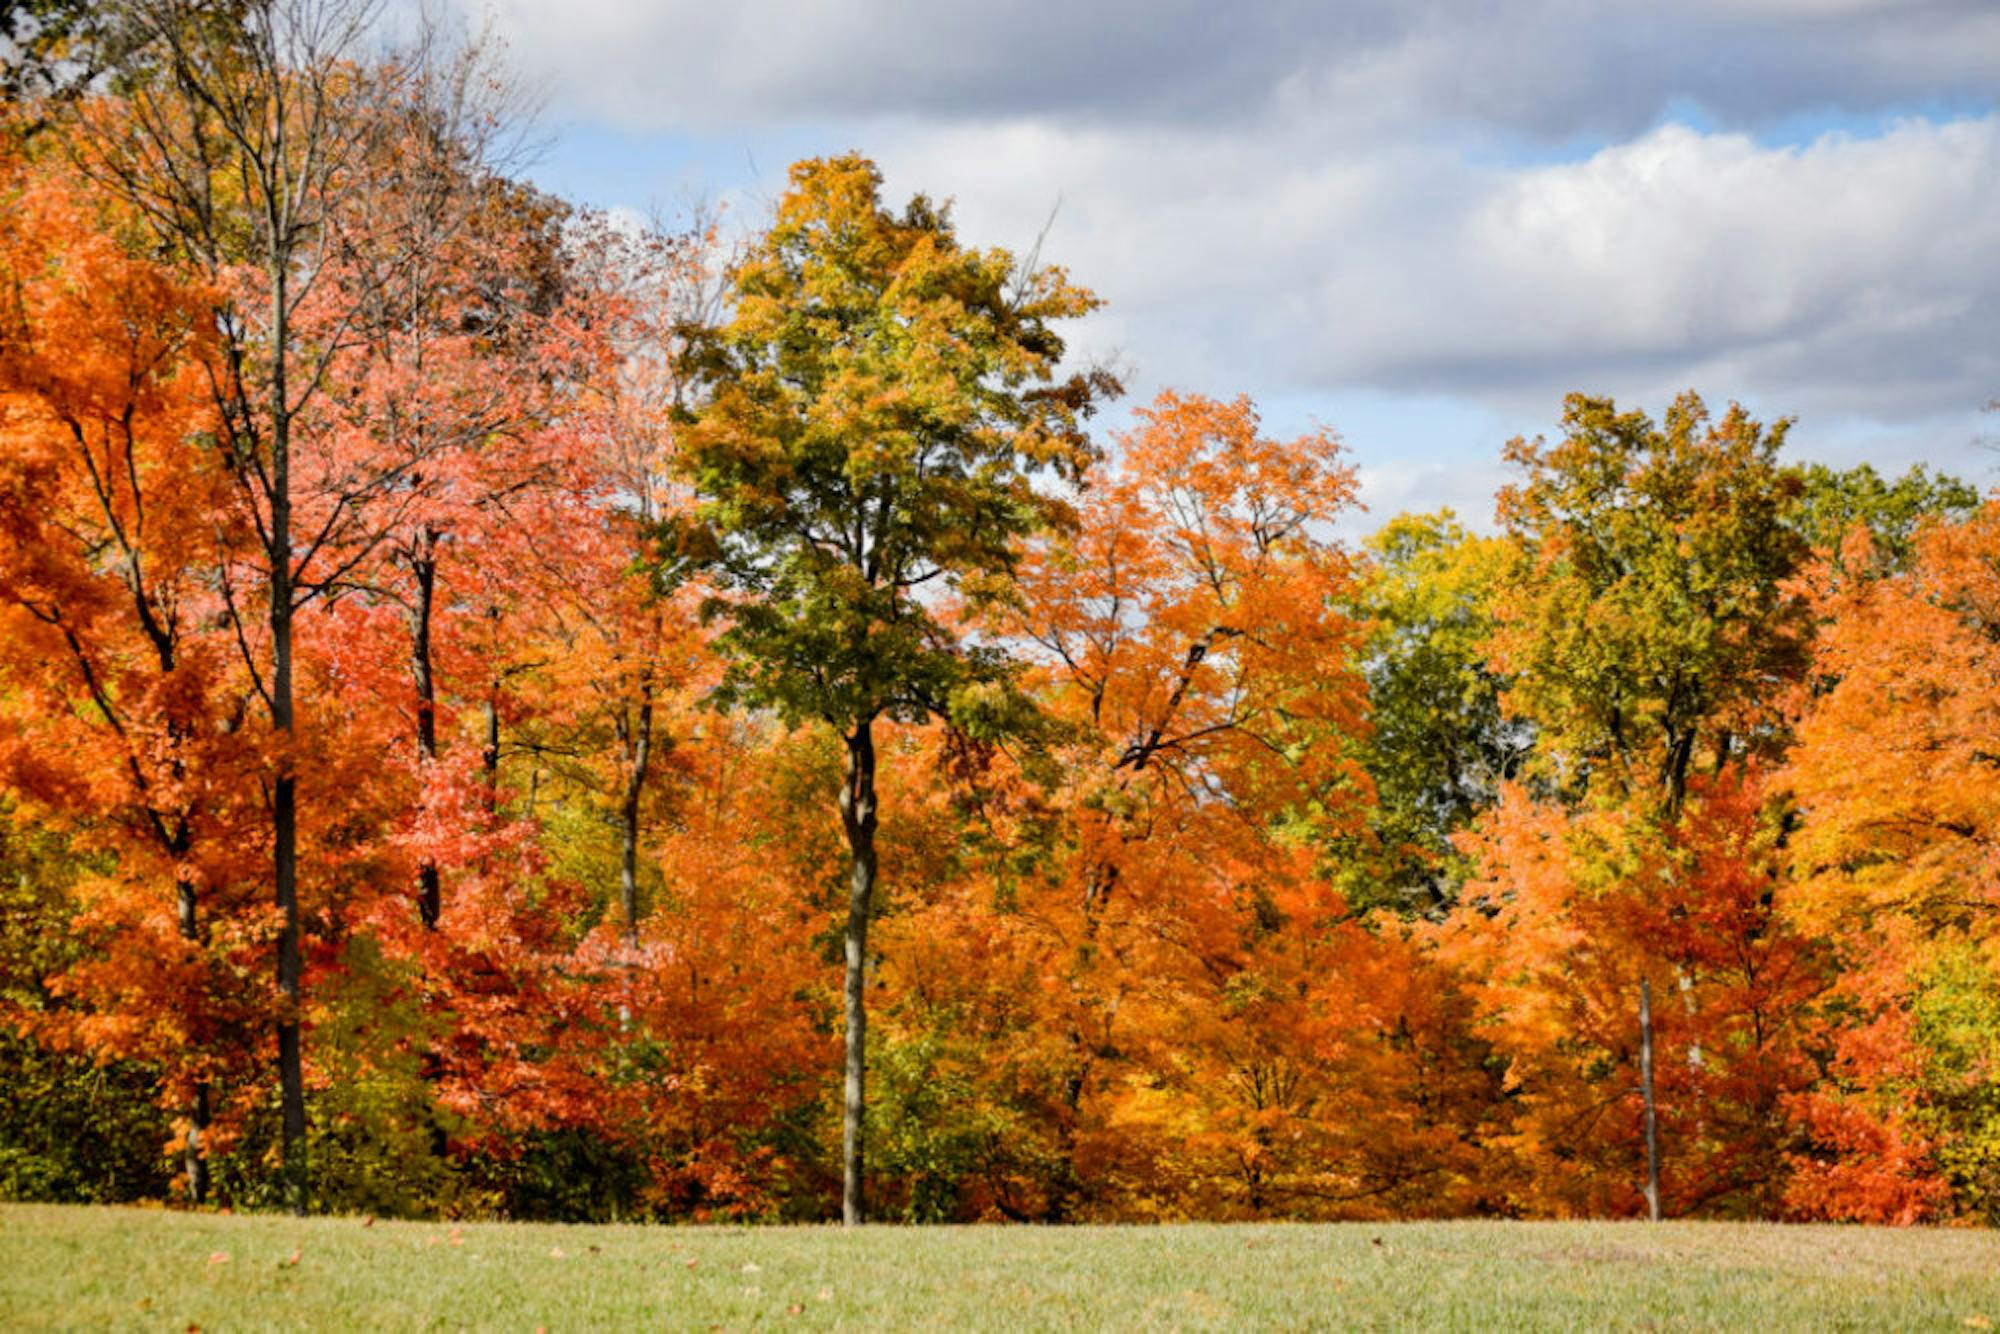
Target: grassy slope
column 125, row 1268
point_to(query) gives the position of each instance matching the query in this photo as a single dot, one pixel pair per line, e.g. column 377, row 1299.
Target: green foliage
column 74, row 1131
column 1439, row 743
column 378, row 1137
column 581, row 837
column 566, row 1176
column 71, row 1129
column 936, row 1132
column 879, row 408
column 1832, row 503
column 1649, row 617
column 1957, row 1029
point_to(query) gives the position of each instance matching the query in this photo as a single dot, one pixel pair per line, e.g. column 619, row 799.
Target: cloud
column 1847, row 276
column 1792, row 202
column 1548, row 68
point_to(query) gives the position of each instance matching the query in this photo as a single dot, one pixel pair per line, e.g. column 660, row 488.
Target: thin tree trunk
column 285, row 793
column 857, row 816
column 195, row 1151
column 423, row 564
column 1646, row 1088
column 628, row 815
column 489, row 754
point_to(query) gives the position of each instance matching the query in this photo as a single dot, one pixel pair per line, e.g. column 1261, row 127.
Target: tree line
column 505, row 711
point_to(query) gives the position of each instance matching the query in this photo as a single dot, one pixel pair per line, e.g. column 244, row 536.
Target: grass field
column 129, row 1268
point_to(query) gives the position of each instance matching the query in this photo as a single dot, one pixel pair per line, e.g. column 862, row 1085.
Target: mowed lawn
column 92, row 1268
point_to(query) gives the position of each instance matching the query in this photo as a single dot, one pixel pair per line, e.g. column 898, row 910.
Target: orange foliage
column 1569, row 912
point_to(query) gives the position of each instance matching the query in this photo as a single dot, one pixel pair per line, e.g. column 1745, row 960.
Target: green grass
column 132, row 1268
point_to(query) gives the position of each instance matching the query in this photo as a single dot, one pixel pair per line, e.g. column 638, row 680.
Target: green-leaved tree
column 880, row 411
column 1650, row 620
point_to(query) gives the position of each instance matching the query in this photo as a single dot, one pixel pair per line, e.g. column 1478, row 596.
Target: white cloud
column 1440, row 201
column 1852, row 275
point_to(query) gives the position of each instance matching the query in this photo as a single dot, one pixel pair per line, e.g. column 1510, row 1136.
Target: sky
column 1419, row 222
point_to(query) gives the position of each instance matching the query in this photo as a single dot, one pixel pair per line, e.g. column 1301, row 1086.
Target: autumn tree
column 245, row 141
column 119, row 692
column 1648, row 620
column 81, row 1125
column 1191, row 639
column 1894, row 865
column 1567, row 913
column 1654, row 632
column 879, row 408
column 452, row 280
column 624, row 646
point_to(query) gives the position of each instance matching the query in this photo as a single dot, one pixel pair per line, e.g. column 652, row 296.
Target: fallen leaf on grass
column 1978, row 1322
column 692, row 1263
column 291, row 1261
column 796, row 1308
column 368, row 1221
column 218, row 1258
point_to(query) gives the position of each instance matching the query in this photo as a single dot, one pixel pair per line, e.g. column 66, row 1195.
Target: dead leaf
column 796, row 1308
column 692, row 1263
column 291, row 1261
column 218, row 1257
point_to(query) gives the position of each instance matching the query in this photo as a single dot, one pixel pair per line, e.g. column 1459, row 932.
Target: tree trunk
column 196, row 1148
column 285, row 792
column 489, row 754
column 857, row 817
column 628, row 815
column 1646, row 1092
column 423, row 564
